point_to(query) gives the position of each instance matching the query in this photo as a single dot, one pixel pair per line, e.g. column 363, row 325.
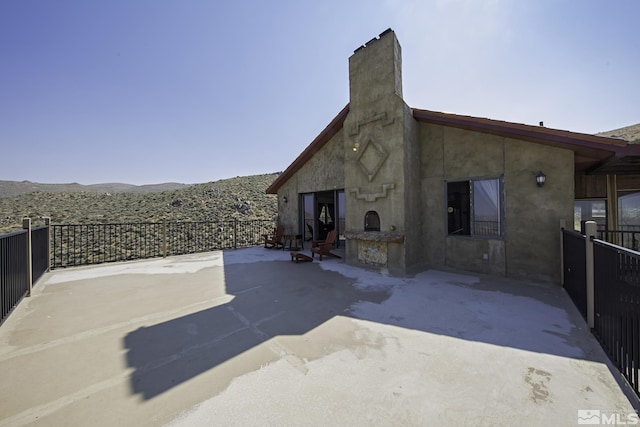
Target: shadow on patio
column 274, row 299
column 270, row 299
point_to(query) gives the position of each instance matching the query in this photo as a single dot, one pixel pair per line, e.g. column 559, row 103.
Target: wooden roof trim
column 597, row 148
column 323, row 137
column 531, row 133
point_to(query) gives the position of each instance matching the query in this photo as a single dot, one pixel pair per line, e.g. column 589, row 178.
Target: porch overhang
column 619, row 164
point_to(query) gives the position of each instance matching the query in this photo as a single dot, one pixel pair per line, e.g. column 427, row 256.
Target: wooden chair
column 324, row 247
column 276, row 239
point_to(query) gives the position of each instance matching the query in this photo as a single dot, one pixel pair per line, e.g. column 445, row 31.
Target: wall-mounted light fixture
column 284, row 199
column 540, row 179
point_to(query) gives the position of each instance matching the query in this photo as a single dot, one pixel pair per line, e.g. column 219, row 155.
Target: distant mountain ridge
column 628, row 133
column 16, row 188
column 242, row 198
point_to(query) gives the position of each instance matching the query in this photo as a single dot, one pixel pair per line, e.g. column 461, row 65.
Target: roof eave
column 530, row 133
column 597, row 154
column 323, row 137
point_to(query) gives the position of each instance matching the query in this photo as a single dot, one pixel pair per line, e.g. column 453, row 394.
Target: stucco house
column 410, row 189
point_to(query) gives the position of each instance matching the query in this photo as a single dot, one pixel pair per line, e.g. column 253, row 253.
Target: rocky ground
column 241, row 198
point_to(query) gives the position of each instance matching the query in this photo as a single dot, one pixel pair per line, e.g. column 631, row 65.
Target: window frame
column 602, row 224
column 470, row 186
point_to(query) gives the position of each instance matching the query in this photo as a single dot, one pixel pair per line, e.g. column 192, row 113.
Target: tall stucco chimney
column 375, row 70
column 381, row 158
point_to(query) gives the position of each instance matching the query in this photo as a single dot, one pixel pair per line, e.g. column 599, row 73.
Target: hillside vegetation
column 628, row 133
column 15, row 188
column 241, row 198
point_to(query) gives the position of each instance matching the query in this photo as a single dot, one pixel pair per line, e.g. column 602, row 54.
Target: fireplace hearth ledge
column 375, row 236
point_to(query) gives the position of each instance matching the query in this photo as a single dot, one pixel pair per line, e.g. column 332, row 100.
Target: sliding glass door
column 322, row 212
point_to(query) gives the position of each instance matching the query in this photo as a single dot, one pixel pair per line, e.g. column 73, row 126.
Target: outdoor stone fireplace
column 371, row 221
column 373, row 244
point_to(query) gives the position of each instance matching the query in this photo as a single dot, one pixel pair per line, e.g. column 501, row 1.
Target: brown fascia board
column 323, row 137
column 597, row 147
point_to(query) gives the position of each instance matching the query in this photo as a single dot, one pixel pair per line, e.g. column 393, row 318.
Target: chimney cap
column 361, row 47
column 375, row 39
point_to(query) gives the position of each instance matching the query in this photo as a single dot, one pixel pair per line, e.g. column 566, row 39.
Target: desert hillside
column 628, row 133
column 242, row 198
column 15, row 188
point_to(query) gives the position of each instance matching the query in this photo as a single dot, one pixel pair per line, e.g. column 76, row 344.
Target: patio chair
column 276, row 239
column 324, row 247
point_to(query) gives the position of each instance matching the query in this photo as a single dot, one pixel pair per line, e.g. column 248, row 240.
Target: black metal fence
column 75, row 244
column 14, row 278
column 617, row 307
column 575, row 268
column 39, row 252
column 628, row 238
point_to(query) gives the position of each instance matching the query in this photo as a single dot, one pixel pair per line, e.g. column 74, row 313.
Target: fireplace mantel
column 375, row 236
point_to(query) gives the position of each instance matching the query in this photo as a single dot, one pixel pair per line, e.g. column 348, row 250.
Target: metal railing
column 629, row 238
column 14, row 277
column 617, row 307
column 39, row 252
column 486, row 228
column 603, row 280
column 84, row 244
column 24, row 258
column 574, row 267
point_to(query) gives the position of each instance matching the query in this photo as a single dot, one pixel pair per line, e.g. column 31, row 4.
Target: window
column 307, row 216
column 589, row 210
column 474, row 207
column 320, row 213
column 629, row 211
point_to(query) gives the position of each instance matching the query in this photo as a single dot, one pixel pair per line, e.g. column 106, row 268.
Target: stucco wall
column 530, row 246
column 433, row 199
column 414, row 217
column 323, row 172
column 533, row 213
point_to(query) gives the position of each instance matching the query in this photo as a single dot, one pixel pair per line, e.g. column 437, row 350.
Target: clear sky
column 150, row 91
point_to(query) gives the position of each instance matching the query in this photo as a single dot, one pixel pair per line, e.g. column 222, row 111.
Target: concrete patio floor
column 247, row 337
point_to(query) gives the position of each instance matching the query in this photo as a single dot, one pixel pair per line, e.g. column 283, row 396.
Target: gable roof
column 323, row 137
column 593, row 154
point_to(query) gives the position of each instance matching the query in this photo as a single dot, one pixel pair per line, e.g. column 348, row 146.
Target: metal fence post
column 563, row 225
column 164, row 238
column 590, row 232
column 47, row 223
column 235, row 233
column 26, row 224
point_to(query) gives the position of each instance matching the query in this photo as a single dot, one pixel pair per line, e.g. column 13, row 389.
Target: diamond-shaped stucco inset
column 371, row 158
